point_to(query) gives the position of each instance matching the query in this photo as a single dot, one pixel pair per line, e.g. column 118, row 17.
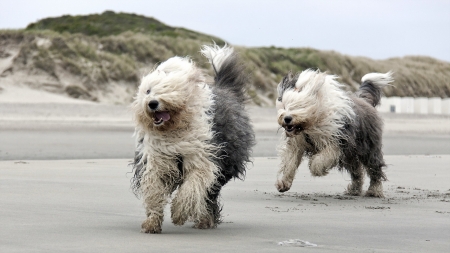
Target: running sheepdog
column 332, row 128
column 191, row 137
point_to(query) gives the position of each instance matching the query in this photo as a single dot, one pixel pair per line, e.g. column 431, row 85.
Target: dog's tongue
column 165, row 116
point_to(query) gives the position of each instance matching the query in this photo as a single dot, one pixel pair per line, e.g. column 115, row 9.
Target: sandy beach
column 87, row 206
column 64, row 187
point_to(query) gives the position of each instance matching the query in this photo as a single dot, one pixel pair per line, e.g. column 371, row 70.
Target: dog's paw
column 374, row 193
column 353, row 190
column 319, row 167
column 283, row 186
column 151, row 226
column 179, row 219
column 205, row 223
column 375, row 190
column 318, row 171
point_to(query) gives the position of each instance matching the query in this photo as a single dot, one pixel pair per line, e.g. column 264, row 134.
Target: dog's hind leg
column 291, row 157
column 376, row 186
column 375, row 171
column 321, row 163
column 357, row 174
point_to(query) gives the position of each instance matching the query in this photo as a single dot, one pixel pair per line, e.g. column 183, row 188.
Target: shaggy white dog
column 191, row 137
column 332, row 128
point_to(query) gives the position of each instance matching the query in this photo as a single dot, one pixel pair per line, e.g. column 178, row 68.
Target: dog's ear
column 285, row 84
column 287, row 80
column 287, row 77
column 317, row 82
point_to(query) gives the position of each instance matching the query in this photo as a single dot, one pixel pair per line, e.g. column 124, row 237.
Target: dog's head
column 165, row 95
column 298, row 102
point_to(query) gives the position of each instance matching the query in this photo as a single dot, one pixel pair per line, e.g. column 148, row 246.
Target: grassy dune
column 89, row 57
column 415, row 76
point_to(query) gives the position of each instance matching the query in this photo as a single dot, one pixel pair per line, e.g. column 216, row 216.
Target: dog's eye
column 148, row 92
column 279, row 99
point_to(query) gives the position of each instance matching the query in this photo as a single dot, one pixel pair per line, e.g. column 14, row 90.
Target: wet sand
column 53, row 203
column 87, row 206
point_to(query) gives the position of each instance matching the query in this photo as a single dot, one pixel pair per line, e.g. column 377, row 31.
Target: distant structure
column 419, row 105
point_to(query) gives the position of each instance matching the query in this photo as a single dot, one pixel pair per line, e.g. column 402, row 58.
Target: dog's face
column 163, row 96
column 298, row 102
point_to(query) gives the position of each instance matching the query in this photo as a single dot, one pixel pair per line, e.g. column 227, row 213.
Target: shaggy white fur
column 181, row 91
column 331, row 127
column 381, row 79
column 319, row 103
column 217, row 55
column 185, row 140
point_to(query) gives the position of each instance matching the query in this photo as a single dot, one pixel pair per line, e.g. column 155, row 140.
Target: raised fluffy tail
column 230, row 73
column 371, row 86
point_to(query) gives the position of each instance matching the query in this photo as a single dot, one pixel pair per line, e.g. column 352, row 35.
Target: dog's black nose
column 153, row 104
column 287, row 119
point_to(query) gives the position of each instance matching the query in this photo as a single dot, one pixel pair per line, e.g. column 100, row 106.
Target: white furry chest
column 164, row 155
column 174, row 147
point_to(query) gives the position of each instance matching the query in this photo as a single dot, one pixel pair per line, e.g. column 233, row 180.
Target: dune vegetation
column 102, row 57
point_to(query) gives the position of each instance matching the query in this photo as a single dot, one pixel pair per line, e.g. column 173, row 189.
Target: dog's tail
column 371, row 86
column 230, row 73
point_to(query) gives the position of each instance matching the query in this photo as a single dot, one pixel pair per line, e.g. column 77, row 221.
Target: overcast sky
column 377, row 29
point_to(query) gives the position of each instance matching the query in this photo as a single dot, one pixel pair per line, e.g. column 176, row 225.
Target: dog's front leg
column 291, row 156
column 156, row 189
column 321, row 163
column 191, row 199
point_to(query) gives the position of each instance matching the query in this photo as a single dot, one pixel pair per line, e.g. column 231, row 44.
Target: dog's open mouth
column 160, row 116
column 291, row 129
